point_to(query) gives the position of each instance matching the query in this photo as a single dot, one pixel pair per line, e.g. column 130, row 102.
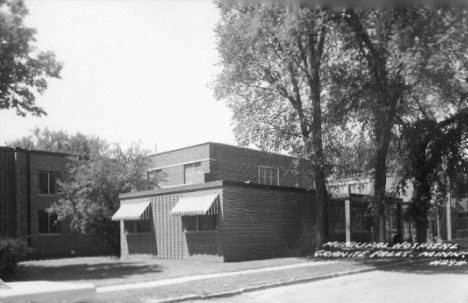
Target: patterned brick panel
column 171, row 242
column 169, row 234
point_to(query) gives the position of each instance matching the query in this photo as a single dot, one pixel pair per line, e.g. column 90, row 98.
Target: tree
column 23, row 69
column 436, row 157
column 97, row 173
column 396, row 72
column 275, row 63
column 90, row 195
column 60, row 141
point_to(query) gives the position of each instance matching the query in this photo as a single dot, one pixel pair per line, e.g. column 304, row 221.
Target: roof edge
column 208, row 185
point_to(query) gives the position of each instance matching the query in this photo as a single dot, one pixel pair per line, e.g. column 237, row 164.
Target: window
column 268, row 175
column 189, row 172
column 358, row 219
column 48, row 223
column 338, row 215
column 48, row 182
column 137, row 226
column 199, row 223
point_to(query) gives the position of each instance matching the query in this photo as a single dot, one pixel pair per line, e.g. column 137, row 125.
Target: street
column 379, row 286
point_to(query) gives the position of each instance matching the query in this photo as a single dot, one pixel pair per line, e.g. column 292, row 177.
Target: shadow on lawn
column 82, row 271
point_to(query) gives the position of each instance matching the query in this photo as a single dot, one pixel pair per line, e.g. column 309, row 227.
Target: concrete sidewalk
column 220, row 285
column 150, row 284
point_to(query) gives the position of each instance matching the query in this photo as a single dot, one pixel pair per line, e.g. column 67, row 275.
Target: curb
column 272, row 285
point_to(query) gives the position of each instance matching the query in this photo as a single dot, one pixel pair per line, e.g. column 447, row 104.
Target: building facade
column 215, row 161
column 227, row 202
column 226, row 220
column 27, row 188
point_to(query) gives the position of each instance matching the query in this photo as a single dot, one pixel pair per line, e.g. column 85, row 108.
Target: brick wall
column 261, row 222
column 66, row 243
column 225, row 162
column 169, row 239
column 7, row 192
column 257, row 222
column 21, row 192
column 181, row 156
column 172, row 164
column 241, row 164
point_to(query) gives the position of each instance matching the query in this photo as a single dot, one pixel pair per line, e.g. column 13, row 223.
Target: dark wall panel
column 7, row 192
column 263, row 223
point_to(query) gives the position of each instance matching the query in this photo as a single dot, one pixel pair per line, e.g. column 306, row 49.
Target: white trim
column 347, row 206
column 269, row 167
column 180, row 164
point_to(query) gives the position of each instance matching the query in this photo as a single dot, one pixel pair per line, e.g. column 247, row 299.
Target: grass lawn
column 107, row 271
column 102, row 271
column 228, row 283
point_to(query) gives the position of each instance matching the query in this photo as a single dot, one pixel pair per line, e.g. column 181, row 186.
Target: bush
column 12, row 251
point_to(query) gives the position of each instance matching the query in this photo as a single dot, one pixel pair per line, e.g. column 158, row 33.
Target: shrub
column 12, row 250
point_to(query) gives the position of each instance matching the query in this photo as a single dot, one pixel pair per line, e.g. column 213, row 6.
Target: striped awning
column 133, row 210
column 197, row 205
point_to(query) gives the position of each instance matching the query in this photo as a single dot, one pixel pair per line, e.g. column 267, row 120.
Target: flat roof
column 224, row 144
column 208, row 185
column 35, row 151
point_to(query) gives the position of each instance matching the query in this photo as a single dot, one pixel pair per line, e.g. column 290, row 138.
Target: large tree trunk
column 421, row 228
column 421, row 204
column 319, row 170
column 383, row 131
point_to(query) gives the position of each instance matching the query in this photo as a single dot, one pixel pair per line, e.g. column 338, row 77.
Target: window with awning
column 133, row 210
column 197, row 205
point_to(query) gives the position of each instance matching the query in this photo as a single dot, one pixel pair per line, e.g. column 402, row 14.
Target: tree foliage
column 60, row 141
column 381, row 70
column 23, row 69
column 90, row 195
column 275, row 63
column 97, row 173
column 436, row 161
column 411, row 62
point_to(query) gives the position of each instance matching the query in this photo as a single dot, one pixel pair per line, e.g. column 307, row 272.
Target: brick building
column 224, row 202
column 215, row 161
column 232, row 221
column 27, row 188
column 217, row 201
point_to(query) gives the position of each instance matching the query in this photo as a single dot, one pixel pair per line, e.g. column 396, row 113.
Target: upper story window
column 190, row 170
column 48, row 223
column 268, row 175
column 48, row 182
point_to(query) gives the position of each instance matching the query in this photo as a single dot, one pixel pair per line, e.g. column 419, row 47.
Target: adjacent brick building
column 27, row 188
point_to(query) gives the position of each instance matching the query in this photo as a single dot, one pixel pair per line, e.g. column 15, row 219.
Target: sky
column 133, row 71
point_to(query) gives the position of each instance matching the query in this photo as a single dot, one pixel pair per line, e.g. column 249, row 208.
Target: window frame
column 49, row 187
column 271, row 177
column 193, row 171
column 54, row 227
column 198, row 224
column 136, row 229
